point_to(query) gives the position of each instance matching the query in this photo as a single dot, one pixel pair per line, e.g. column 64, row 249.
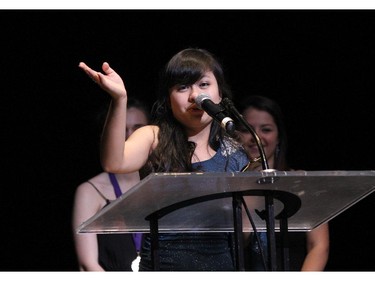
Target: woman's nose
column 194, row 92
column 253, row 140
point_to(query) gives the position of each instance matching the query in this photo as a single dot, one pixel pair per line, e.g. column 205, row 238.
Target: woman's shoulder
column 146, row 130
column 97, row 185
column 98, row 181
column 148, row 133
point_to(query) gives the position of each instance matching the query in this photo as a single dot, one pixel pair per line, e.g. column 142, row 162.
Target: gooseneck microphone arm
column 229, row 106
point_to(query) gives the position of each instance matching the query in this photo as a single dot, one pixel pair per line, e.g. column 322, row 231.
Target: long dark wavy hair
column 266, row 104
column 174, row 151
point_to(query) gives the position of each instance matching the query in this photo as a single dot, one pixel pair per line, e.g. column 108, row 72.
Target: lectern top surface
column 323, row 195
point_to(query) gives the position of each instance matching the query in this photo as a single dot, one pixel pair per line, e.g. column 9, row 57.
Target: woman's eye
column 181, row 88
column 204, row 84
column 266, row 130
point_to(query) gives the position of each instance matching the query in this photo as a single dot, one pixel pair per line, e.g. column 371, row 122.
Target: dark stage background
column 319, row 65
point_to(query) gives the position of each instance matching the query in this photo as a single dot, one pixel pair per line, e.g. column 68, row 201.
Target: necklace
column 252, row 165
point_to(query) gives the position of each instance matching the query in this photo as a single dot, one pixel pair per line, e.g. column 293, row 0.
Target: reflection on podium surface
column 322, row 195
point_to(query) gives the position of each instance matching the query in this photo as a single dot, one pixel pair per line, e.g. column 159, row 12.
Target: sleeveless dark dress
column 199, row 251
column 116, row 251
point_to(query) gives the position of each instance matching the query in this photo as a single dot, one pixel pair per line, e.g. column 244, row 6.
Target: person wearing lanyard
column 108, row 252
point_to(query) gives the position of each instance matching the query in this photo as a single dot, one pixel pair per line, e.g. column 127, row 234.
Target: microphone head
column 200, row 98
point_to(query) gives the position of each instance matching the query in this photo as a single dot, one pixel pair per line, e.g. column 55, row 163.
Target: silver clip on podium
column 212, row 202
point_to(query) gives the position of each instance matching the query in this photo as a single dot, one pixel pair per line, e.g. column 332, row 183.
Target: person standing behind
column 183, row 139
column 311, row 252
column 107, row 252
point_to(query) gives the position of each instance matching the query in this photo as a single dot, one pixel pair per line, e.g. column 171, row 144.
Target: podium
column 211, row 202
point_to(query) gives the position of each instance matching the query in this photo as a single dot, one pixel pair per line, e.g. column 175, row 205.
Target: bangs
column 186, row 70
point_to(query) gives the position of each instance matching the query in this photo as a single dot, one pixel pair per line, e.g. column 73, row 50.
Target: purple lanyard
column 137, row 237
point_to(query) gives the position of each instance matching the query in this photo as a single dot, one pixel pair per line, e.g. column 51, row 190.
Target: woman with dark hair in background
column 308, row 252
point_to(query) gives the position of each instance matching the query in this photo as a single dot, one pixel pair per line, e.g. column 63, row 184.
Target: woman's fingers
column 90, row 72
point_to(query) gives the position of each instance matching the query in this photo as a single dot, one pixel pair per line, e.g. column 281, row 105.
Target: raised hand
column 110, row 81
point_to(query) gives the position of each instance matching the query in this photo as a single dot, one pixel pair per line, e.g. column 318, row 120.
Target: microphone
column 205, row 103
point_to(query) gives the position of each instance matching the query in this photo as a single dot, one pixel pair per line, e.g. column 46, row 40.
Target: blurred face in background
column 135, row 118
column 266, row 128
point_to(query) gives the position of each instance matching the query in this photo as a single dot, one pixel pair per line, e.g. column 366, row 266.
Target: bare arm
column 116, row 157
column 317, row 249
column 86, row 204
column 113, row 137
